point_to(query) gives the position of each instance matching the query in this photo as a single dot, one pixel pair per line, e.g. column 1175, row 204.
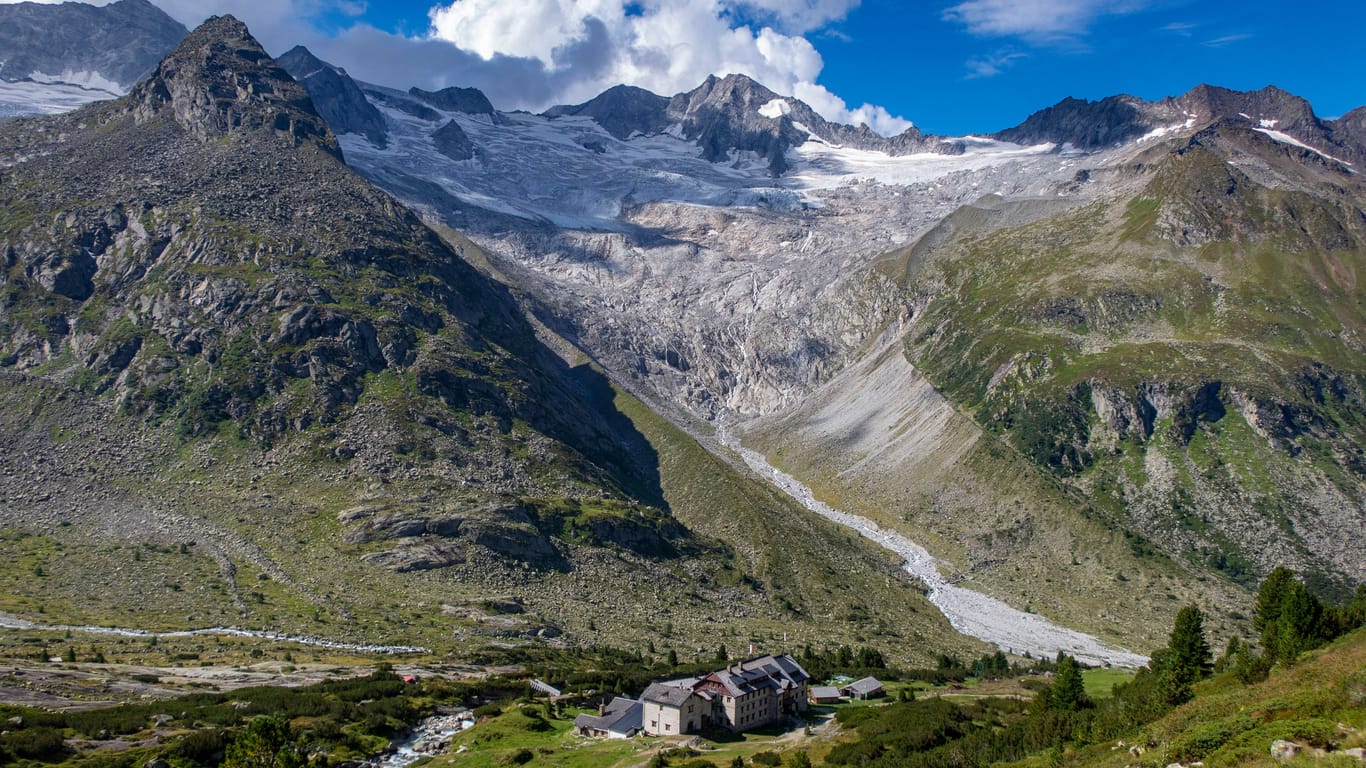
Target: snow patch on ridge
column 775, row 109
column 27, row 97
column 1286, row 138
column 91, row 81
column 822, row 166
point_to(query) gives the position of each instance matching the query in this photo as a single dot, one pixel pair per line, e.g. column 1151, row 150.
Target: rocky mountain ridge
column 56, row 57
column 1092, row 125
column 1175, row 344
column 230, row 358
column 227, row 271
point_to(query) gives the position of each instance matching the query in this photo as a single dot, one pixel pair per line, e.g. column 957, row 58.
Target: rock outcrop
column 336, row 96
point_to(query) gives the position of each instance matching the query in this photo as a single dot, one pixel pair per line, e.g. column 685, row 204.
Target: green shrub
column 492, row 709
column 40, row 742
column 1203, row 738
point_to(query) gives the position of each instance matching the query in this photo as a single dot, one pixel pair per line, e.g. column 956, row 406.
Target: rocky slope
column 244, row 385
column 1186, row 351
column 55, row 57
column 736, row 293
column 335, row 95
column 1091, row 125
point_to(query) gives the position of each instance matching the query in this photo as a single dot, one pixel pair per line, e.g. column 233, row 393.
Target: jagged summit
column 454, row 99
column 736, row 113
column 622, row 110
column 1091, row 125
column 336, row 96
column 117, row 43
column 220, row 81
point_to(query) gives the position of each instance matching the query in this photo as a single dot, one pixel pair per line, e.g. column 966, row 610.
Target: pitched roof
column 825, row 692
column 866, row 685
column 668, row 695
column 623, row 716
column 782, row 672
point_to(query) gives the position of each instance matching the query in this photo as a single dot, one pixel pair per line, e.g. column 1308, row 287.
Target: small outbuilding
column 619, row 720
column 867, row 688
column 825, row 694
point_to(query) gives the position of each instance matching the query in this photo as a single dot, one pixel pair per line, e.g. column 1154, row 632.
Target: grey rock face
column 452, row 141
column 219, row 81
column 622, row 110
column 1083, row 124
column 1092, row 125
column 336, row 96
column 468, row 100
column 722, row 115
column 121, row 42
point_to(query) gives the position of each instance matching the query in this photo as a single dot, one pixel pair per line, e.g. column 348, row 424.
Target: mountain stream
column 972, row 613
column 11, row 622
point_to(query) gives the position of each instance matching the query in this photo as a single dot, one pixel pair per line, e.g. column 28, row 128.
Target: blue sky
column 949, row 66
column 949, row 80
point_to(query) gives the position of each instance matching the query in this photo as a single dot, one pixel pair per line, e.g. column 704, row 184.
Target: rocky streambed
column 972, row 613
column 429, row 737
column 12, row 622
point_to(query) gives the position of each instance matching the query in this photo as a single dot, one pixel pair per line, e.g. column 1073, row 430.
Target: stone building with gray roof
column 619, row 720
column 743, row 696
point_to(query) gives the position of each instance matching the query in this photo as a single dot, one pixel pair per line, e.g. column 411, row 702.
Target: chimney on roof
column 602, row 709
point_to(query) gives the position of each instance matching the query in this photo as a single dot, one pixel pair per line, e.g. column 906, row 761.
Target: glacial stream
column 11, row 622
column 429, row 737
column 972, row 613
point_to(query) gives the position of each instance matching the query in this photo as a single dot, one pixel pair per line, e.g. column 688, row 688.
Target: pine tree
column 1068, row 692
column 1266, row 612
column 1230, row 656
column 1299, row 625
column 1190, row 655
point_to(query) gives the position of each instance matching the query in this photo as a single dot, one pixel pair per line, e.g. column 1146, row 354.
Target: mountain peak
column 335, row 96
column 220, row 81
column 468, row 100
column 741, row 90
column 119, row 42
column 621, row 111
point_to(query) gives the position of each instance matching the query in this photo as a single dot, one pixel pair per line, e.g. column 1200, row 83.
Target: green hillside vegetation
column 241, row 386
column 1179, row 351
column 1182, row 708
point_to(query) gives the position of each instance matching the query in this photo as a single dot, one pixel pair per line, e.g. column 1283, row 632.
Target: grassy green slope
column 1188, row 357
column 1320, row 703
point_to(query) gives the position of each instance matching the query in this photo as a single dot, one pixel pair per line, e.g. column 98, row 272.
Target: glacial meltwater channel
column 13, row 622
column 972, row 613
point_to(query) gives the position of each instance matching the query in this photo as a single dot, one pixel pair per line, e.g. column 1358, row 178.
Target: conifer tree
column 1190, row 654
column 1266, row 612
column 1068, row 692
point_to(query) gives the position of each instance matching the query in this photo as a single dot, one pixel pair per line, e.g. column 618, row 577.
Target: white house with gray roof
column 668, row 710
